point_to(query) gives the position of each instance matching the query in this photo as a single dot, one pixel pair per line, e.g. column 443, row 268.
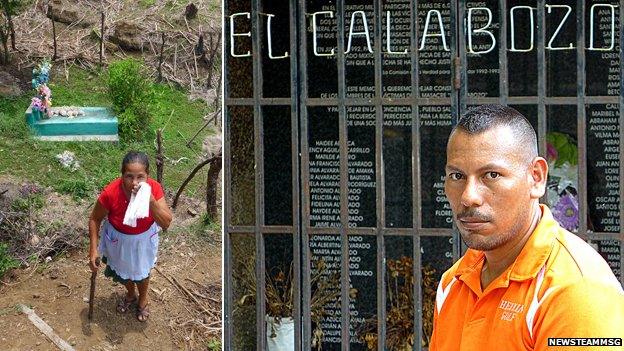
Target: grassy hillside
column 23, row 157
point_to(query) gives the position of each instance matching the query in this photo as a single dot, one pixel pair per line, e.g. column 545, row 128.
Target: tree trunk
column 10, row 30
column 4, row 58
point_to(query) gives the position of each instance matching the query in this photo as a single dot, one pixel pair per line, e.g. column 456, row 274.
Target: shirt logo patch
column 510, row 310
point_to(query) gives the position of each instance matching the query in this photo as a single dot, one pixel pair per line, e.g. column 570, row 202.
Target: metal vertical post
column 379, row 177
column 502, row 54
column 259, row 176
column 227, row 185
column 541, row 78
column 344, row 180
column 416, row 208
column 581, row 117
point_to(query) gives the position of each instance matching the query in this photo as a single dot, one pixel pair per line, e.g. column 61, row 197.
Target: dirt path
column 58, row 292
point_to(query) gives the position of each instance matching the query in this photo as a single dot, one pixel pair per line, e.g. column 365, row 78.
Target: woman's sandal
column 142, row 314
column 124, row 305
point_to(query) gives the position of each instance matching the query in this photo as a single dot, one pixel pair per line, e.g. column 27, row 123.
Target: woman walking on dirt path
column 129, row 243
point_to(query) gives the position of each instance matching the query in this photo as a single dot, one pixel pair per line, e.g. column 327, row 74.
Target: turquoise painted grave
column 98, row 123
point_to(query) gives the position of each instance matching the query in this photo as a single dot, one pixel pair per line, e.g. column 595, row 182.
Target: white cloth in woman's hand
column 139, row 205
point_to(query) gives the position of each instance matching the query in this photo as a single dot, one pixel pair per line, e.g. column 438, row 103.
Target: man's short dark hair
column 485, row 117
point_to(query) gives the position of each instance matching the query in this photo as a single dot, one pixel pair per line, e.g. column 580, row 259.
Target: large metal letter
column 388, row 40
column 513, row 35
column 480, row 30
column 269, row 44
column 314, row 43
column 591, row 27
column 233, row 34
column 549, row 46
column 426, row 31
column 365, row 32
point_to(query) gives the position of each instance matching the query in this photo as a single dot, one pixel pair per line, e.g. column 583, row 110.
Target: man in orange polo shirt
column 525, row 283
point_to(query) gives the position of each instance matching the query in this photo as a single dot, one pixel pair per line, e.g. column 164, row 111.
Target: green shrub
column 77, row 188
column 127, row 84
column 134, row 123
column 130, row 91
column 7, row 262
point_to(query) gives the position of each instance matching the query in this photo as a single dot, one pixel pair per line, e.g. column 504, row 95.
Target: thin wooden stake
column 159, row 157
column 211, row 187
column 54, row 37
column 101, row 38
column 160, row 60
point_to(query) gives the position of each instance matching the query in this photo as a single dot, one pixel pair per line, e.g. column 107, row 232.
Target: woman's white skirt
column 130, row 256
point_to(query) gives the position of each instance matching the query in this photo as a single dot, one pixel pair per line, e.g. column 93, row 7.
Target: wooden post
column 217, row 101
column 160, row 60
column 54, row 37
column 214, row 50
column 101, row 37
column 160, row 164
column 211, row 187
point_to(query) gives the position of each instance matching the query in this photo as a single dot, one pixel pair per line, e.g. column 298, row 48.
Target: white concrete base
column 113, row 138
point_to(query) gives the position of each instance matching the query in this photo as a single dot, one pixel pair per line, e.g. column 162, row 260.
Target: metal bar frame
column 388, row 101
column 299, row 102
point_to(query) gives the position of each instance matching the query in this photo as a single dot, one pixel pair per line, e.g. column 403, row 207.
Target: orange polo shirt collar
column 526, row 266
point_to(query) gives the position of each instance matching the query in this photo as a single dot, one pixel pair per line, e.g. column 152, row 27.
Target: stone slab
column 98, row 123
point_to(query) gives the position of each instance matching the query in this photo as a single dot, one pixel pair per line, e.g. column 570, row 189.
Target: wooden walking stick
column 92, row 292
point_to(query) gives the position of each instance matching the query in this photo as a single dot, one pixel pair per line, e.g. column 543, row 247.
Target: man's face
column 488, row 184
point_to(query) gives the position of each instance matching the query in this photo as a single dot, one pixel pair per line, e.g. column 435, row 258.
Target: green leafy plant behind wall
column 566, row 148
column 130, row 91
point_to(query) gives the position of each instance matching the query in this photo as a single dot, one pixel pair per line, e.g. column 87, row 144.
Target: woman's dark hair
column 135, row 157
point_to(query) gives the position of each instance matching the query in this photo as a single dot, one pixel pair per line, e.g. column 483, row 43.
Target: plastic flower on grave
column 47, row 102
column 44, row 67
column 37, row 104
column 566, row 212
column 44, row 91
